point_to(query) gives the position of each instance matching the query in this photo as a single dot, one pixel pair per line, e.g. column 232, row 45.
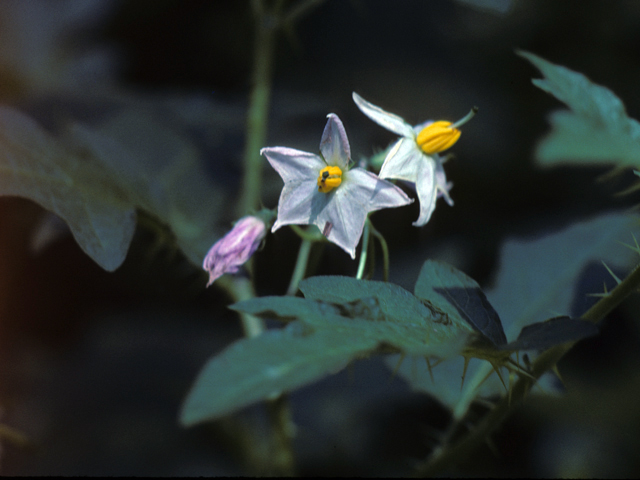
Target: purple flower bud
column 235, row 248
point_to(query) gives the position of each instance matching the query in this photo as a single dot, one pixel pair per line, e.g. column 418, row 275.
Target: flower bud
column 229, row 253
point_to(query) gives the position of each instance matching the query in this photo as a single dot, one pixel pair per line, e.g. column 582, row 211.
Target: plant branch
column 450, row 454
column 267, row 24
column 301, row 266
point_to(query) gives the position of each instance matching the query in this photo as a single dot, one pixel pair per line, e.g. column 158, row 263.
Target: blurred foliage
column 96, row 365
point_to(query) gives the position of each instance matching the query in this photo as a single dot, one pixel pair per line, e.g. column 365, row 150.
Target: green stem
column 385, row 252
column 450, row 454
column 267, row 24
column 240, row 288
column 363, row 250
column 301, row 266
column 312, row 234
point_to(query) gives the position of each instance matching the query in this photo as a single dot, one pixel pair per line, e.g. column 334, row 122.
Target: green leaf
column 596, row 130
column 413, row 326
column 542, row 272
column 286, row 308
column 537, row 279
column 258, row 368
column 417, row 333
column 160, row 170
column 555, row 331
column 96, row 177
column 83, row 193
column 460, row 297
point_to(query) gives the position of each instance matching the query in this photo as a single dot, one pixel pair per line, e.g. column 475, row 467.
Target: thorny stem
column 450, row 454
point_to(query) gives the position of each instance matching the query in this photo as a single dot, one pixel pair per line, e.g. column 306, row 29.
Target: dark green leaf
column 473, row 306
column 258, row 368
column 536, row 279
column 555, row 331
column 460, row 297
column 417, row 333
column 82, row 192
column 160, row 170
column 286, row 308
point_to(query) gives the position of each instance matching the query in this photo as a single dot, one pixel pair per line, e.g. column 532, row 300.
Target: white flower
column 320, row 189
column 414, row 157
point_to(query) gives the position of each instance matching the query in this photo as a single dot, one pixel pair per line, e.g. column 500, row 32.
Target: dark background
column 96, row 364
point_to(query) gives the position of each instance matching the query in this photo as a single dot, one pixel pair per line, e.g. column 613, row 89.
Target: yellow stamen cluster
column 437, row 137
column 441, row 135
column 329, row 178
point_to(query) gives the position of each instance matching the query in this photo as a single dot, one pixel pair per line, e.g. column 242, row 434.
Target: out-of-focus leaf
column 460, row 297
column 595, row 130
column 161, row 171
column 257, row 368
column 555, row 331
column 536, row 280
column 416, row 333
column 537, row 277
column 134, row 155
column 83, row 193
column 499, row 7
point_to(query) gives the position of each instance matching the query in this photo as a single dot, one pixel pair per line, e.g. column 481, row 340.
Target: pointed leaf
column 537, row 279
column 463, row 299
column 257, row 368
column 85, row 195
column 595, row 130
column 420, row 334
column 160, row 170
column 555, row 331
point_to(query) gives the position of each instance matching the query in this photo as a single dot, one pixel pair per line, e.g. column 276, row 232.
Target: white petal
column 360, row 193
column 385, row 119
column 334, row 144
column 293, row 165
column 427, row 191
column 299, row 204
column 403, row 161
column 441, row 182
column 372, row 193
column 342, row 222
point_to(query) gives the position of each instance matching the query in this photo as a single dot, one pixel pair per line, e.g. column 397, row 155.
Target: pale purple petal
column 293, row 165
column 235, row 248
column 334, row 144
column 403, row 161
column 385, row 119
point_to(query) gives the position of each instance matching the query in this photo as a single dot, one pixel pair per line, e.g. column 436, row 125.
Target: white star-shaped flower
column 414, row 157
column 320, row 189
